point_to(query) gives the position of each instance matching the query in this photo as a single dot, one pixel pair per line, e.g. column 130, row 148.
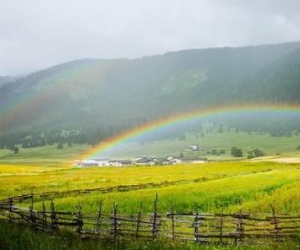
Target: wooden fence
column 117, row 188
column 221, row 228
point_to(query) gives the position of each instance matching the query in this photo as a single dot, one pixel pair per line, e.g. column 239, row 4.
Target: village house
column 86, row 163
column 102, row 162
column 145, row 161
column 172, row 160
column 195, row 148
column 120, row 163
column 194, row 160
column 92, row 162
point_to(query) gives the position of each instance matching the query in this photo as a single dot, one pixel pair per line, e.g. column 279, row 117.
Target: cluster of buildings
column 143, row 161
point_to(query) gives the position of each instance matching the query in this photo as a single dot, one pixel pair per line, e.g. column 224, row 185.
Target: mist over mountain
column 276, row 82
column 97, row 93
column 7, row 79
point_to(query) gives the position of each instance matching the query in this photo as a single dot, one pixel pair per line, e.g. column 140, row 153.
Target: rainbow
column 240, row 110
column 36, row 98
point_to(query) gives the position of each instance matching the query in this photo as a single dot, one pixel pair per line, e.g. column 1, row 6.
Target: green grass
column 43, row 156
column 221, row 185
column 254, row 192
column 272, row 146
column 17, row 179
column 14, row 237
column 226, row 185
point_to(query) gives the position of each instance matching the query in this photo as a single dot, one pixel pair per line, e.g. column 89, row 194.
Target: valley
column 129, row 134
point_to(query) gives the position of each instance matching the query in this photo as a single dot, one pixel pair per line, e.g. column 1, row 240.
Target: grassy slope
column 255, row 191
column 252, row 185
column 272, row 146
column 42, row 156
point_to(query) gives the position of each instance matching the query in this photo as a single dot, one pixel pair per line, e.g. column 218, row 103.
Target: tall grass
column 16, row 237
column 204, row 187
column 17, row 179
column 211, row 187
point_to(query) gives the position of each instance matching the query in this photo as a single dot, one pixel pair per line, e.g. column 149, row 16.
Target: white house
column 92, row 162
column 120, row 163
column 102, row 162
column 194, row 147
column 194, row 160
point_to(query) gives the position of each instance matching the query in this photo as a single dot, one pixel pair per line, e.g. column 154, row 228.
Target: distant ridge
column 91, row 93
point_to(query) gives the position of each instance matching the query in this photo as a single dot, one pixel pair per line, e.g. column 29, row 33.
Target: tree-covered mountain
column 276, row 82
column 117, row 94
column 7, row 79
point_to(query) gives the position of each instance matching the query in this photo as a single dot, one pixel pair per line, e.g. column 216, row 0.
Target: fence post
column 196, row 226
column 32, row 216
column 240, row 227
column 10, row 200
column 79, row 221
column 155, row 217
column 275, row 221
column 44, row 220
column 138, row 221
column 173, row 224
column 99, row 218
column 115, row 222
column 221, row 222
column 53, row 216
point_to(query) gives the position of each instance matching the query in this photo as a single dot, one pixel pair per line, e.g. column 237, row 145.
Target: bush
column 236, row 152
column 255, row 153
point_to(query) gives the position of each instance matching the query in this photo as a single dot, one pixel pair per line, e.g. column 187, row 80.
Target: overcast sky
column 36, row 34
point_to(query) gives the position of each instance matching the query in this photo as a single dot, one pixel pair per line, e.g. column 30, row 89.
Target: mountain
column 120, row 93
column 276, row 82
column 7, row 79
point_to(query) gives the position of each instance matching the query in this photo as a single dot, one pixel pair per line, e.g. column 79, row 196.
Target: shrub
column 236, row 152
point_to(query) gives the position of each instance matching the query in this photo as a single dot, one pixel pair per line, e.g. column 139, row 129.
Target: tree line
column 63, row 137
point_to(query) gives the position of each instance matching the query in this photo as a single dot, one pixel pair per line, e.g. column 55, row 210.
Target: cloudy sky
column 35, row 34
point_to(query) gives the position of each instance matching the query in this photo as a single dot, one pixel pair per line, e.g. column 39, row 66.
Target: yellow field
column 212, row 186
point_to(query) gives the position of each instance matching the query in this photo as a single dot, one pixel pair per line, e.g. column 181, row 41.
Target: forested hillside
column 108, row 96
column 7, row 79
column 276, row 82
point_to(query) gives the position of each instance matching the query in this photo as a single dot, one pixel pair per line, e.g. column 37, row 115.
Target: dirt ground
column 279, row 159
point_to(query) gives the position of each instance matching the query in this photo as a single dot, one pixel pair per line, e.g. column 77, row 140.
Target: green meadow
column 251, row 185
column 211, row 187
column 281, row 146
column 271, row 146
column 226, row 183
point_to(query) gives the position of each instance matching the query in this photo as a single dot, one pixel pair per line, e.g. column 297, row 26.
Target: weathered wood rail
column 118, row 188
column 217, row 228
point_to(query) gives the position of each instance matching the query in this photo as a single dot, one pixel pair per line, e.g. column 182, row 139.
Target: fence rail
column 223, row 228
column 117, row 188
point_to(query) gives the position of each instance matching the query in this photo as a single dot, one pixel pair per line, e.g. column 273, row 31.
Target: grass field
column 16, row 238
column 271, row 146
column 252, row 185
column 227, row 186
column 50, row 169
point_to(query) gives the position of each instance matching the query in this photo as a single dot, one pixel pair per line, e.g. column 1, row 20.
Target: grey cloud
column 42, row 33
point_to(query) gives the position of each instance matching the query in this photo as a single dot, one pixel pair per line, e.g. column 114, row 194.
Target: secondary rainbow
column 240, row 109
column 35, row 98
